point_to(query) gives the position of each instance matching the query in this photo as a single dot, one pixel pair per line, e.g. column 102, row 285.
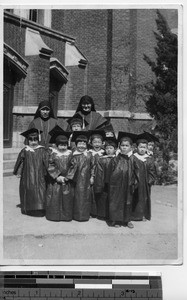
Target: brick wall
column 120, row 59
column 36, row 85
column 14, row 36
column 113, row 41
column 74, row 89
column 57, row 20
column 89, row 27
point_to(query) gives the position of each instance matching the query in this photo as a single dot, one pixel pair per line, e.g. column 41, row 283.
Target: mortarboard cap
column 31, row 131
column 151, row 137
column 129, row 135
column 77, row 118
column 109, row 131
column 80, row 135
column 55, row 129
column 147, row 136
column 58, row 135
column 97, row 133
column 111, row 141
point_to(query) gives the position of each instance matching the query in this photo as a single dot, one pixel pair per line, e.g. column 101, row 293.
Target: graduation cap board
column 80, row 135
column 31, row 132
column 151, row 137
column 147, row 136
column 130, row 135
column 59, row 135
column 56, row 129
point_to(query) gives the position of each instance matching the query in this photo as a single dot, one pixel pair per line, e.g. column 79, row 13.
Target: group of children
column 84, row 174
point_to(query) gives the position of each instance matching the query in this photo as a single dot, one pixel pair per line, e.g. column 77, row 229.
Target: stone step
column 10, row 153
column 7, row 172
column 8, row 164
column 9, row 159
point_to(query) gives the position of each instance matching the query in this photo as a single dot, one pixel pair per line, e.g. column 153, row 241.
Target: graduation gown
column 141, row 205
column 94, row 196
column 122, row 178
column 59, row 196
column 81, row 169
column 31, row 165
column 44, row 126
column 100, row 186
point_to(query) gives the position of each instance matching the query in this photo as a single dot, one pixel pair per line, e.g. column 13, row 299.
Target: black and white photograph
column 92, row 135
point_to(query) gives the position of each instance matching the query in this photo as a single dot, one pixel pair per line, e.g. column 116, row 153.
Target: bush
column 166, row 171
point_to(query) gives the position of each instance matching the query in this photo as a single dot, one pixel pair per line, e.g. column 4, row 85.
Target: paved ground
column 28, row 239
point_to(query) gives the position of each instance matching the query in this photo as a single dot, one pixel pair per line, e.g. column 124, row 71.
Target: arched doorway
column 8, row 97
column 15, row 68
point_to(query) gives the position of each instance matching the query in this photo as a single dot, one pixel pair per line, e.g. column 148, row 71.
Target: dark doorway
column 55, row 86
column 8, row 99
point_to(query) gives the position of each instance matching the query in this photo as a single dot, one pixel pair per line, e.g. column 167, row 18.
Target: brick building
column 62, row 55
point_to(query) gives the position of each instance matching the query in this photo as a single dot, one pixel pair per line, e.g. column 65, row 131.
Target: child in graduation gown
column 81, row 176
column 100, row 183
column 122, row 179
column 97, row 150
column 59, row 197
column 31, row 168
column 75, row 124
column 141, row 206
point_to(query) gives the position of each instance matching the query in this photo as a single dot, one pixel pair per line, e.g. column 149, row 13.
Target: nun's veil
column 43, row 104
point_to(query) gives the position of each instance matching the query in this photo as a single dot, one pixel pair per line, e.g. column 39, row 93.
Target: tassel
column 39, row 135
column 83, row 124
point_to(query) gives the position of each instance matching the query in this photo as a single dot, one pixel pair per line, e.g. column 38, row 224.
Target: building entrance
column 8, row 99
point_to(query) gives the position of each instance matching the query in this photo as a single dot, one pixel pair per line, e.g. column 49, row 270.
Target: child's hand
column 92, row 180
column 60, row 179
column 18, row 176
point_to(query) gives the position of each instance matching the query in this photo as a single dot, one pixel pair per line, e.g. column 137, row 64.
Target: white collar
column 141, row 157
column 76, row 152
column 100, row 152
column 114, row 155
column 58, row 153
column 28, row 148
column 150, row 153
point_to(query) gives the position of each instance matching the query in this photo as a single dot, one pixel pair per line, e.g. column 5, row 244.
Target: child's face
column 62, row 147
column 125, row 147
column 97, row 143
column 142, row 148
column 150, row 146
column 110, row 150
column 81, row 146
column 76, row 127
column 109, row 134
column 33, row 142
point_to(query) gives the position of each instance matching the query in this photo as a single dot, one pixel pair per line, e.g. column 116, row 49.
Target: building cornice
column 59, row 71
column 115, row 114
column 16, row 59
column 42, row 29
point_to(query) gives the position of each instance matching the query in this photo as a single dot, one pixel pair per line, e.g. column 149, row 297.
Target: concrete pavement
column 29, row 239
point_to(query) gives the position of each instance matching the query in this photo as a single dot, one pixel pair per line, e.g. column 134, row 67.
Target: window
column 9, row 10
column 40, row 16
column 33, row 15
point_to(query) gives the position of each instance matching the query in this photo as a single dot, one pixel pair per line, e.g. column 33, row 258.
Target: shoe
column 113, row 224
column 130, row 225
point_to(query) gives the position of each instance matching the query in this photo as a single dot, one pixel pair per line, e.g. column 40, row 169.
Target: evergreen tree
column 162, row 103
